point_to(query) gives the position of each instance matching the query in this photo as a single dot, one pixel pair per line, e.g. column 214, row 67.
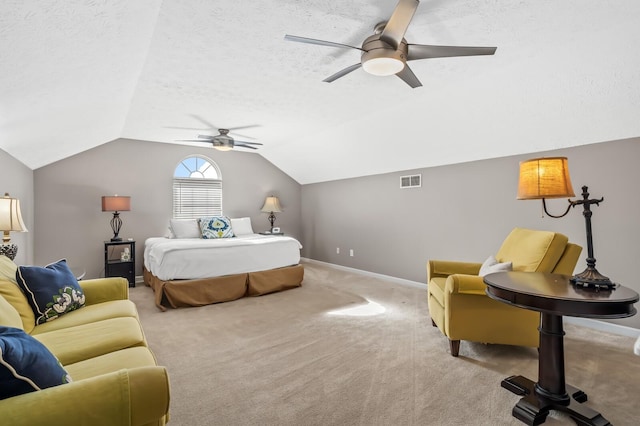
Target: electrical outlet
column 351, row 252
column 337, row 250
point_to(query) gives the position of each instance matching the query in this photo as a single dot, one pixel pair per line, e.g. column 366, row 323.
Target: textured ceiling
column 79, row 73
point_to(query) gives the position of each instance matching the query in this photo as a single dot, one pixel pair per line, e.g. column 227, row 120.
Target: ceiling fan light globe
column 223, row 148
column 383, row 66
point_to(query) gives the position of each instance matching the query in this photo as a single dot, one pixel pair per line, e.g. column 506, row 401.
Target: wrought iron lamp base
column 590, row 277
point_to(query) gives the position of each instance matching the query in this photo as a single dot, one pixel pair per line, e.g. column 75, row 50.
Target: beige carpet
column 293, row 358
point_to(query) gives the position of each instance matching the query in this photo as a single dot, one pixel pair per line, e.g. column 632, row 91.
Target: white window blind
column 194, row 198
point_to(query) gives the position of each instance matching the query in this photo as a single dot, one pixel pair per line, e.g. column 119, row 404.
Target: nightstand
column 271, row 233
column 120, row 260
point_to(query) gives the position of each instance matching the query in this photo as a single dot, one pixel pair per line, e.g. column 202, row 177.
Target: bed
column 195, row 271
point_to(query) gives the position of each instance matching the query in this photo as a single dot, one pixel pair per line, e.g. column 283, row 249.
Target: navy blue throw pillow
column 51, row 290
column 26, row 365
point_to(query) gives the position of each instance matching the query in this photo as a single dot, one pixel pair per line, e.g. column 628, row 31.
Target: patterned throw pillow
column 26, row 365
column 51, row 291
column 216, row 227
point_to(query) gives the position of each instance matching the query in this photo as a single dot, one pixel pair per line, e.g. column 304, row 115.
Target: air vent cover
column 412, row 181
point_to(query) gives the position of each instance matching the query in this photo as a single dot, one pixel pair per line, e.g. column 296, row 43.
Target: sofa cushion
column 9, row 317
column 139, row 356
column 51, row 291
column 16, row 298
column 531, row 250
column 89, row 314
column 74, row 344
column 26, row 365
column 216, row 227
column 7, row 269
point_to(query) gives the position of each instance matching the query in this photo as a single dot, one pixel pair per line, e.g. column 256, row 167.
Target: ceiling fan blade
column 409, row 77
column 425, row 51
column 342, row 73
column 193, row 140
column 206, row 137
column 205, row 122
column 245, row 146
column 246, row 143
column 232, row 129
column 399, row 22
column 319, row 42
column 184, row 128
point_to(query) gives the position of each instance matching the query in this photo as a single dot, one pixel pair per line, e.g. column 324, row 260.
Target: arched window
column 197, row 188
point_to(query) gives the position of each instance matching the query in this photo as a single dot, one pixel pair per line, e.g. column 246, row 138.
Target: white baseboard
column 621, row 330
column 369, row 274
column 585, row 322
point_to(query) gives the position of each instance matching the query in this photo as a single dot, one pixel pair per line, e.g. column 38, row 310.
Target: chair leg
column 433, row 323
column 455, row 347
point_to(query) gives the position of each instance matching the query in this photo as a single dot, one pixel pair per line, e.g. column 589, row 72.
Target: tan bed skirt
column 183, row 293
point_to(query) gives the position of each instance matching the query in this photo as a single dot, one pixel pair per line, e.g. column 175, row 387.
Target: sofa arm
column 101, row 290
column 465, row 284
column 136, row 396
column 444, row 268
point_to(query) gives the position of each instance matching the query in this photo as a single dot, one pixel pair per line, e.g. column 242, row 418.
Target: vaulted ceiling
column 77, row 74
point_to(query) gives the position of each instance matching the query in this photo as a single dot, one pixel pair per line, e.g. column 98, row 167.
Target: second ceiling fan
column 222, row 141
column 386, row 52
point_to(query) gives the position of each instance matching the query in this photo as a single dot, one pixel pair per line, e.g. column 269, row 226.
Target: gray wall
column 464, row 211
column 17, row 180
column 68, row 218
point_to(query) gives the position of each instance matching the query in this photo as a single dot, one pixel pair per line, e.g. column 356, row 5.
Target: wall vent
column 412, row 181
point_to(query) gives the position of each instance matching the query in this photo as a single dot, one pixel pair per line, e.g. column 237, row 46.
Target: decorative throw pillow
column 492, row 265
column 8, row 269
column 216, row 227
column 52, row 291
column 241, row 226
column 184, row 228
column 26, row 365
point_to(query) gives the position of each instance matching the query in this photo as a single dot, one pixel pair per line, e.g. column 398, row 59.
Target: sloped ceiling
column 77, row 74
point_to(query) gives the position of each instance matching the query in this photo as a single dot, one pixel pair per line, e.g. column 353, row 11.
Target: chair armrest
column 136, row 396
column 101, row 290
column 465, row 284
column 444, row 268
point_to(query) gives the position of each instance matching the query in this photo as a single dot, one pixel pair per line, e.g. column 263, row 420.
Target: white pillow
column 185, row 228
column 492, row 265
column 241, row 226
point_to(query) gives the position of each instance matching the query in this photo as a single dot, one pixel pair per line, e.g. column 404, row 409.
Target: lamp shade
column 116, row 203
column 10, row 215
column 546, row 177
column 271, row 204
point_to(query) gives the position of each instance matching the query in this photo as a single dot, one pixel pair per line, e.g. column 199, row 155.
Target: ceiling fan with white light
column 386, row 52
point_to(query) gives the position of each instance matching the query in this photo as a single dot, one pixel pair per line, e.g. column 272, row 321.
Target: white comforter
column 193, row 258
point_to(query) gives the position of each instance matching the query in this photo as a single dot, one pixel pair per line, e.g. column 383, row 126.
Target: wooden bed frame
column 200, row 292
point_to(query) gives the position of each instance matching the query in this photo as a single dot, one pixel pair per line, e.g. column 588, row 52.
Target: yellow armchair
column 460, row 308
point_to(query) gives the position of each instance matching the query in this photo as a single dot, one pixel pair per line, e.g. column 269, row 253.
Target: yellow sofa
column 460, row 308
column 116, row 380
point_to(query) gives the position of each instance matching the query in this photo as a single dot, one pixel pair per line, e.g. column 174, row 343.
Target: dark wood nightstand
column 116, row 261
